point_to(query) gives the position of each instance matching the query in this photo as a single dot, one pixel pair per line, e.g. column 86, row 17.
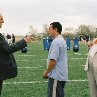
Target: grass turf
column 29, row 82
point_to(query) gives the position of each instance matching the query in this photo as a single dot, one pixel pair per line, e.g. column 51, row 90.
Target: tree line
column 71, row 32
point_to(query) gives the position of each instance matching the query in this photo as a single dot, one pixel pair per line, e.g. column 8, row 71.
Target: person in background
column 9, row 38
column 13, row 38
column 57, row 69
column 8, row 66
column 91, row 67
column 87, row 38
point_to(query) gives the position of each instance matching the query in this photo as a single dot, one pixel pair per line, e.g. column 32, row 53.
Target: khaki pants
column 92, row 76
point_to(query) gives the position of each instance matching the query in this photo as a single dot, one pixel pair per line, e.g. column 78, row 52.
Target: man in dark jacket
column 8, row 67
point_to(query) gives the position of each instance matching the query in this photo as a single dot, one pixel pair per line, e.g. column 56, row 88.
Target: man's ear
column 56, row 29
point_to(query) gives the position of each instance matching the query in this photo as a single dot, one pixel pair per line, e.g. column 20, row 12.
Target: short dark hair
column 58, row 26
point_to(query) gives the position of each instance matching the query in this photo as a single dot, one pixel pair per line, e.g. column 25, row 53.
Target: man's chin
column 50, row 35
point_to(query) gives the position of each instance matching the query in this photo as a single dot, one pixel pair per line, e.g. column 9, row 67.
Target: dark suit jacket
column 8, row 67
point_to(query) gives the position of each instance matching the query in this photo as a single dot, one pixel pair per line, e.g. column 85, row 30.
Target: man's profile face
column 51, row 31
column 1, row 21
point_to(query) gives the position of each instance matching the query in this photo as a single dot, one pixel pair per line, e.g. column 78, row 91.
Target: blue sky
column 20, row 14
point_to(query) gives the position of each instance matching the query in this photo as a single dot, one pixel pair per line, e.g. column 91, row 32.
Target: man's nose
column 2, row 21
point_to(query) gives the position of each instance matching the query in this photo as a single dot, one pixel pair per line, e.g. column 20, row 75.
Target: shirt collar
column 58, row 36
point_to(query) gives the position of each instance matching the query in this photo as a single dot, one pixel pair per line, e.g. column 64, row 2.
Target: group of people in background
column 9, row 38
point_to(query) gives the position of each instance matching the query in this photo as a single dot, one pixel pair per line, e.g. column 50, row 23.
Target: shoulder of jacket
column 1, row 36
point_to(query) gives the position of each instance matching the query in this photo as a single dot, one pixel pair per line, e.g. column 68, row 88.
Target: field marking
column 22, row 60
column 36, row 55
column 75, row 65
column 28, row 67
column 78, row 58
column 77, row 80
column 71, row 58
column 29, row 60
column 36, row 49
column 42, row 66
column 77, row 53
column 46, row 59
column 34, row 82
column 27, row 55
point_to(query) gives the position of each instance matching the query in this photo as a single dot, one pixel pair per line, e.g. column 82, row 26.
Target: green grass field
column 29, row 82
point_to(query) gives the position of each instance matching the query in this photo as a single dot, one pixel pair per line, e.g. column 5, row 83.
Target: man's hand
column 45, row 74
column 51, row 66
column 28, row 39
column 90, row 44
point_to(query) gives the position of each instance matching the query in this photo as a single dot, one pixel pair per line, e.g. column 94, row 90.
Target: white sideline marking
column 36, row 50
column 71, row 58
column 34, row 82
column 78, row 58
column 29, row 67
column 75, row 65
column 41, row 66
column 77, row 54
column 26, row 55
column 22, row 60
column 41, row 50
column 46, row 59
column 28, row 60
column 77, row 80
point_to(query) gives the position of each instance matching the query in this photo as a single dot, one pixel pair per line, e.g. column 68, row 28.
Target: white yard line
column 23, row 60
column 42, row 66
column 77, row 53
column 77, row 58
column 36, row 55
column 86, row 54
column 29, row 67
column 75, row 65
column 34, row 82
column 46, row 59
column 78, row 80
column 27, row 55
column 71, row 58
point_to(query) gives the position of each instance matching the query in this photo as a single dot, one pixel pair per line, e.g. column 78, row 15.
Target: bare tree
column 83, row 29
column 32, row 31
column 45, row 30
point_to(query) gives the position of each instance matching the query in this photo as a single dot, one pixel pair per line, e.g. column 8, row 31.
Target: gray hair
column 0, row 14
